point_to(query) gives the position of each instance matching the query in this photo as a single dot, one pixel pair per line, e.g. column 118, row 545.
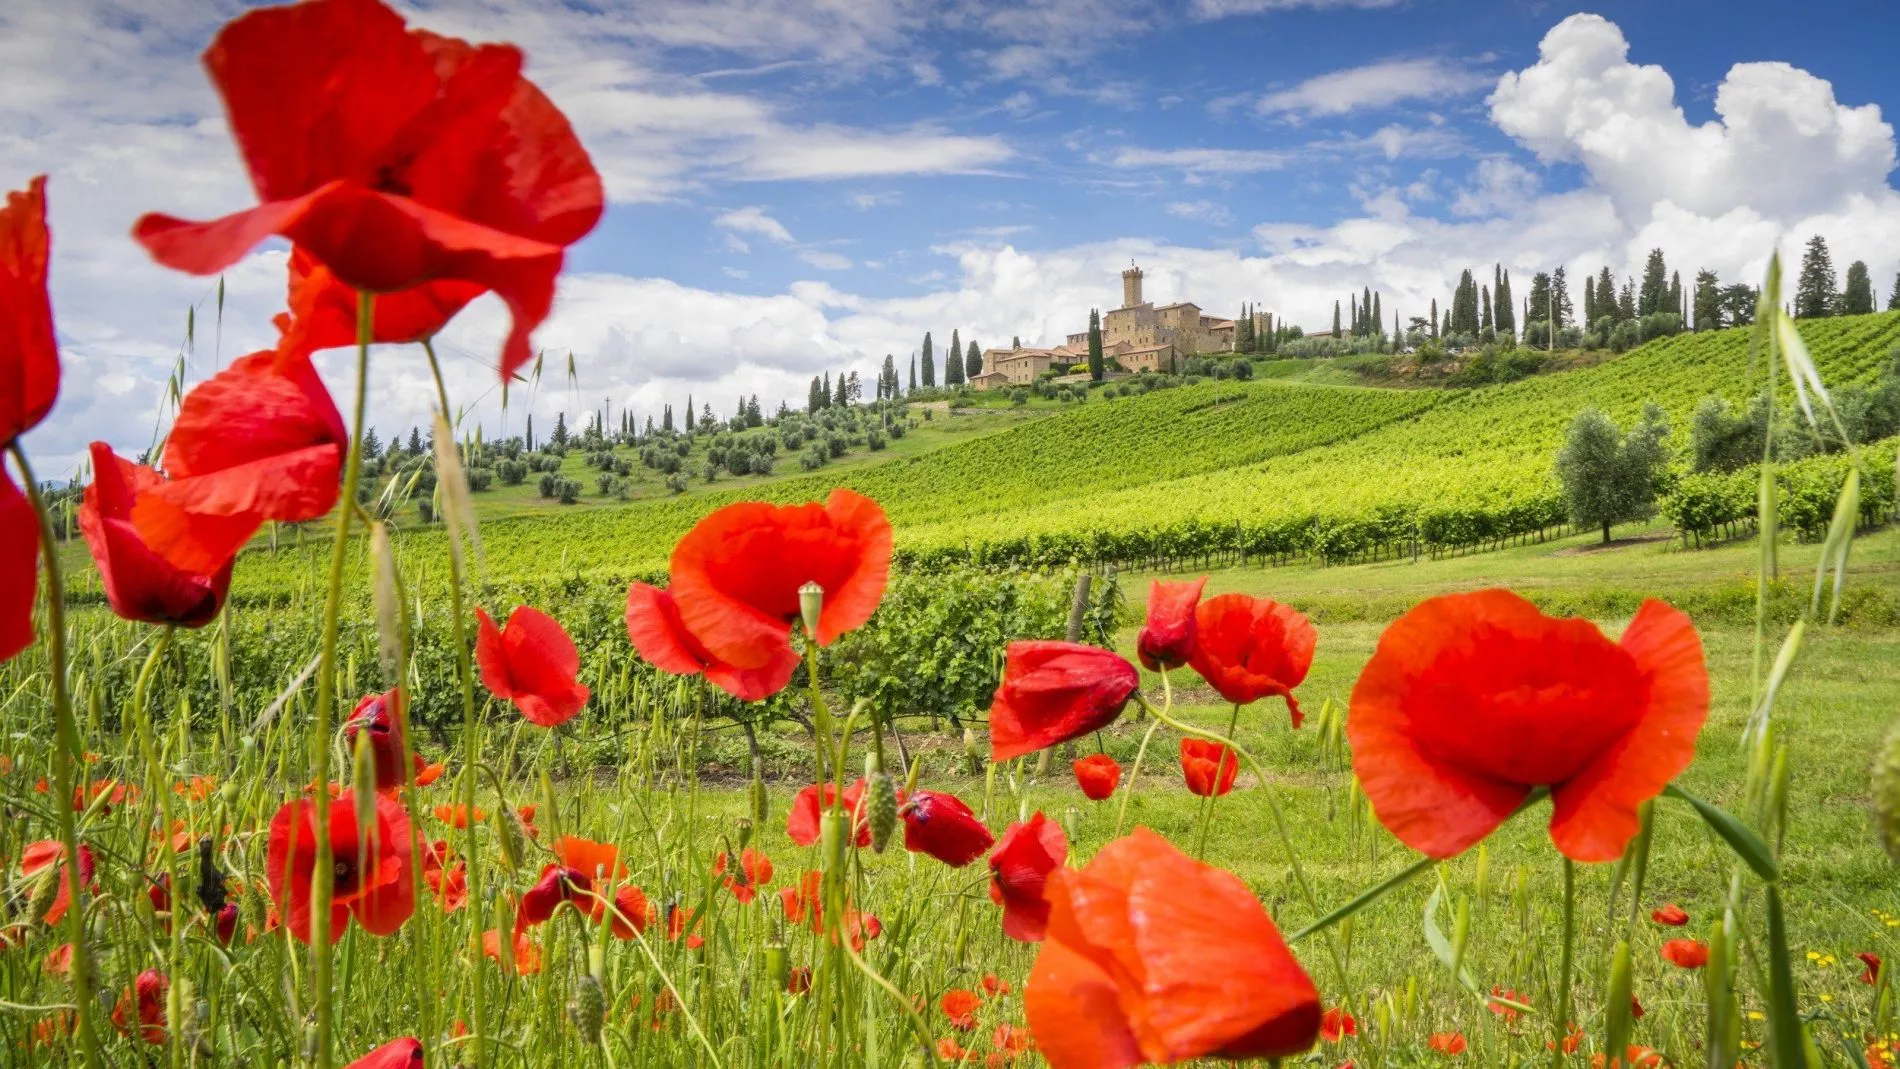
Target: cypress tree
column 913, row 371
column 1626, row 303
column 415, row 441
column 1506, row 309
column 1893, row 299
column 1335, row 319
column 1590, row 312
column 953, row 360
column 972, row 361
column 1857, row 298
column 1814, row 292
column 1378, row 320
column 528, row 440
column 1364, row 320
column 1352, row 314
column 1434, row 319
column 1096, row 366
column 1654, row 295
column 1486, row 329
column 689, row 413
column 1560, row 294
column 930, row 364
column 1674, row 301
column 1708, row 302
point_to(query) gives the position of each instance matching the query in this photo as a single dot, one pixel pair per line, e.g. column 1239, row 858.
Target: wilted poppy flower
column 802, row 819
column 370, row 879
column 1155, row 957
column 1686, row 953
column 1447, row 1043
column 736, row 575
column 754, row 870
column 1248, row 648
column 1336, row 1024
column 960, row 1007
column 1209, row 767
column 140, row 584
column 1053, row 692
column 526, row 957
column 532, row 662
column 1472, row 701
column 1671, row 914
column 1871, row 974
column 405, row 1053
column 375, row 716
column 798, row 980
column 1167, row 638
column 1097, row 775
column 1019, row 867
column 50, row 853
column 29, row 383
column 661, row 638
column 397, row 158
column 942, row 826
column 260, row 440
column 147, row 1001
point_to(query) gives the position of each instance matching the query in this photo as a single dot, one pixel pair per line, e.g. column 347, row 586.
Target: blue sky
column 801, row 187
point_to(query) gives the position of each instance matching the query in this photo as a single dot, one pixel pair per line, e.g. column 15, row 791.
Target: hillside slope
column 1176, row 472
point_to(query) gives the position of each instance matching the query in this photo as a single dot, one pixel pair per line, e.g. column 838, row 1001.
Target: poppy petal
column 1595, row 812
column 1075, row 1012
column 29, row 351
column 19, row 567
column 405, row 1053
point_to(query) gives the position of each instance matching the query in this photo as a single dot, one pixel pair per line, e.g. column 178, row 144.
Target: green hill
column 1264, row 468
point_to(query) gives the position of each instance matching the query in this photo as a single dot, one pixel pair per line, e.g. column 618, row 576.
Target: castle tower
column 1131, row 286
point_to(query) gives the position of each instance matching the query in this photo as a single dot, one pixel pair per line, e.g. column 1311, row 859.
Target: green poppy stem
column 322, row 890
column 1560, row 1023
column 471, row 735
column 1207, row 804
column 67, row 747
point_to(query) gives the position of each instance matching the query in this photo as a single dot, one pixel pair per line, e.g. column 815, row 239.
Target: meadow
column 1189, row 725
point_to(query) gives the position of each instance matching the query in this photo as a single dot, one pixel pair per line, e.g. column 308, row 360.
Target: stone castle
column 1137, row 336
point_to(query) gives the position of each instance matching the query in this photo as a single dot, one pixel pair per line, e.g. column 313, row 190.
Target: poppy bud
column 588, row 1009
column 1887, row 793
column 831, row 837
column 778, row 965
column 880, row 802
column 811, row 604
column 510, row 836
column 44, row 892
column 1072, row 823
column 972, row 751
column 228, row 793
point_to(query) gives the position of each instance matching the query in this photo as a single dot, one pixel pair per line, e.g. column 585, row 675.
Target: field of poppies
column 1199, row 827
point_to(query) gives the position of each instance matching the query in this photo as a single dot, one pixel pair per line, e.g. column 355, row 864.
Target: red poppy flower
column 557, row 884
column 994, row 985
column 632, row 912
column 1447, row 1043
column 29, row 383
column 960, row 1007
column 405, row 1053
column 397, row 158
column 147, row 1000
column 260, row 440
column 1505, row 1003
column 1010, row 1043
column 1472, row 701
column 226, row 922
column 1248, row 648
column 526, row 956
column 678, row 917
column 798, row 981
column 323, row 310
column 754, row 870
column 1573, row 1040
column 1636, row 1009
column 1019, row 868
column 1686, row 953
column 50, row 852
column 1671, row 914
column 591, row 859
column 1167, row 638
column 429, row 773
column 1336, row 1024
column 370, row 880
column 942, row 826
column 446, row 877
column 949, row 1050
column 457, row 815
column 1053, row 692
column 140, row 584
column 1155, row 957
column 533, row 662
column 375, row 716
column 1871, row 974
column 661, row 638
column 736, row 574
column 1634, row 1057
column 802, row 820
column 1097, row 775
column 1209, row 767
column 802, row 902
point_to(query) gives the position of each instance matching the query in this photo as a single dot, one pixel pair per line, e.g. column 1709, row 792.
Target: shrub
column 811, row 459
column 874, row 441
column 480, row 479
column 570, row 491
column 550, row 485
column 512, row 472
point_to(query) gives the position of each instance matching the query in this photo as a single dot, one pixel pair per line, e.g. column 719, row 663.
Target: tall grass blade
column 1740, row 837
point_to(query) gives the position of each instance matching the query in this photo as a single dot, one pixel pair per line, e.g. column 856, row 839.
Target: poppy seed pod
column 778, row 965
column 831, row 838
column 44, row 892
column 744, row 830
column 811, row 605
column 880, row 802
column 510, row 836
column 1887, row 793
column 587, row 1007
